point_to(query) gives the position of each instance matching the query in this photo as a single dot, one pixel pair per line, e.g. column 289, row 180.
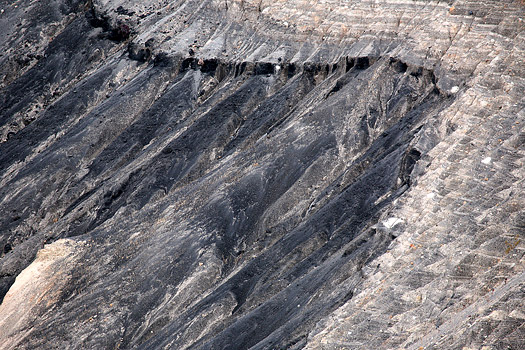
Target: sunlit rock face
column 252, row 174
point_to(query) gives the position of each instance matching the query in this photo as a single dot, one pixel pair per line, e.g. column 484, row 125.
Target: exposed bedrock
column 262, row 175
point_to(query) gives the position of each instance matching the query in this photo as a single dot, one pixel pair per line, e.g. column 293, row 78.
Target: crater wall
column 262, row 175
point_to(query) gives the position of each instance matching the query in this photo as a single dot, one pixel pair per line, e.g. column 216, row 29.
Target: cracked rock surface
column 252, row 174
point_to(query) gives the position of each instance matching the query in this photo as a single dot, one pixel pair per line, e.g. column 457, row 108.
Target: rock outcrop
column 252, row 174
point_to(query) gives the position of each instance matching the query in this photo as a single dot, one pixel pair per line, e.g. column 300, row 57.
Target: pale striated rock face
column 252, row 174
column 37, row 288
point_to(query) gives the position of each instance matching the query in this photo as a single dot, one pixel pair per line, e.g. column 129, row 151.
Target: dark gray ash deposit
column 262, row 175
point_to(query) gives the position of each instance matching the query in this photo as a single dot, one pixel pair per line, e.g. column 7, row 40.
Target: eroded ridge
column 199, row 174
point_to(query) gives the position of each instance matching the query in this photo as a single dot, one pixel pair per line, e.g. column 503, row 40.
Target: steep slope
column 252, row 174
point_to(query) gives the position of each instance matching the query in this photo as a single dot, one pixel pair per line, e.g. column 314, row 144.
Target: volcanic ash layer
column 250, row 174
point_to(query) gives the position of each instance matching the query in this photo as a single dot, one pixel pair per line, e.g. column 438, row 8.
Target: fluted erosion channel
column 262, row 175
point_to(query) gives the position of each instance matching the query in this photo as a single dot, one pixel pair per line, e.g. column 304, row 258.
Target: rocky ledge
column 252, row 174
